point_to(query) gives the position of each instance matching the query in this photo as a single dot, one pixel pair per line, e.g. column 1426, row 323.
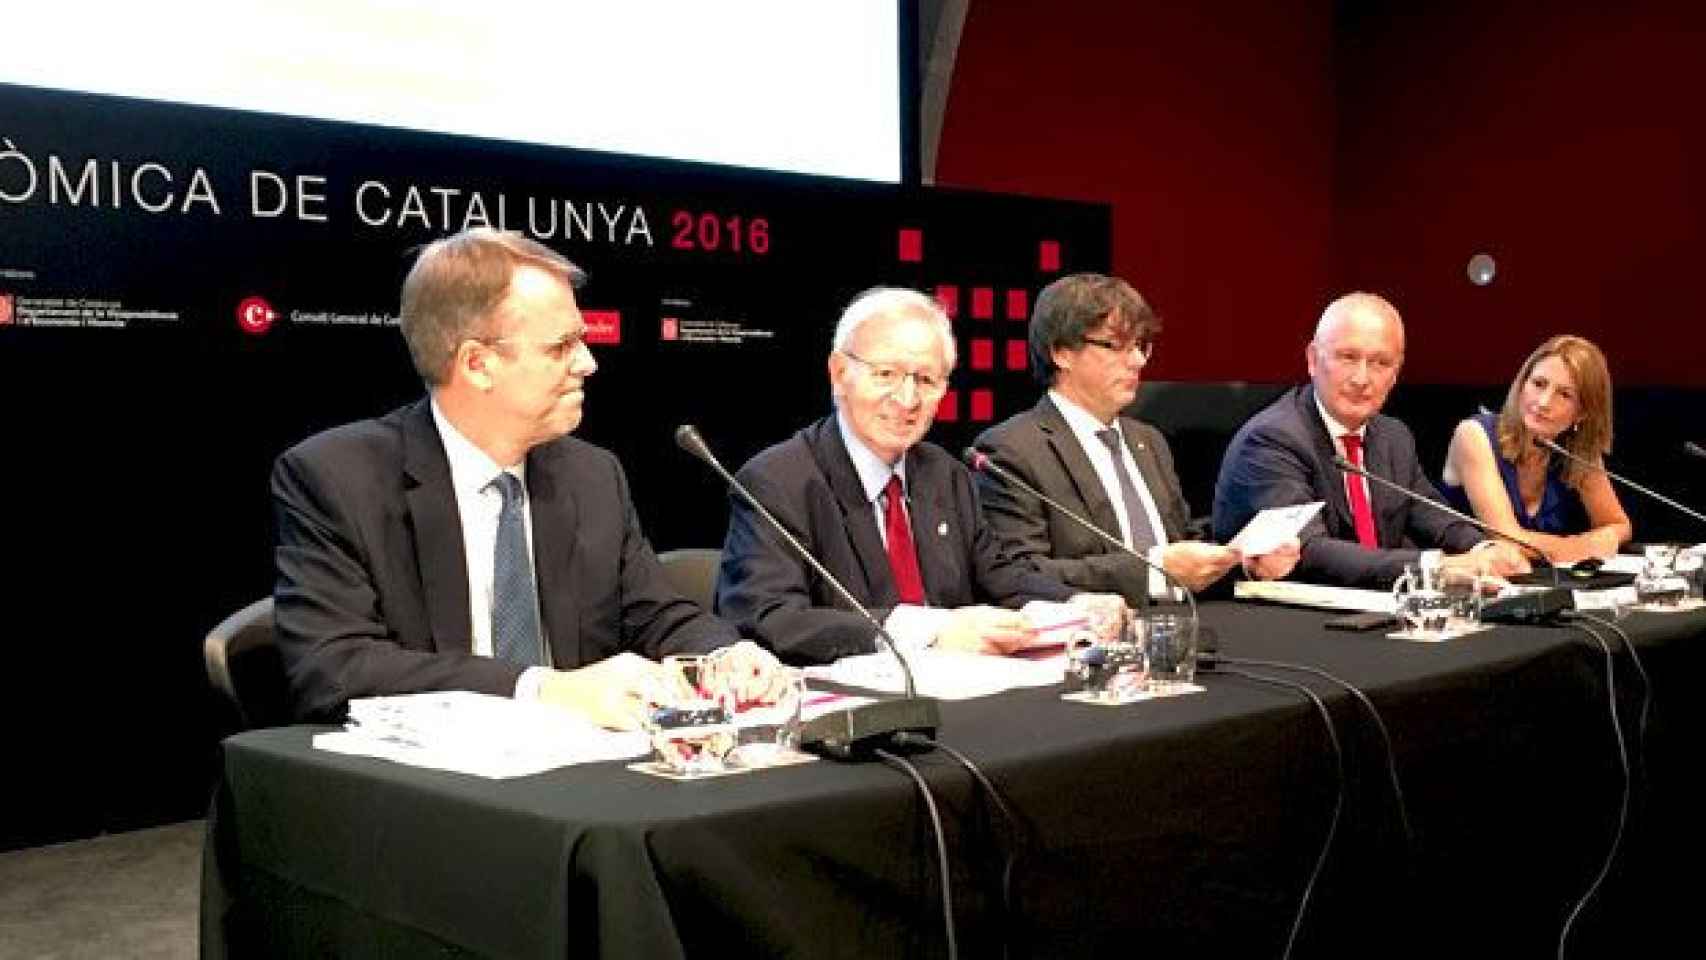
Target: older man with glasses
column 1091, row 337
column 891, row 516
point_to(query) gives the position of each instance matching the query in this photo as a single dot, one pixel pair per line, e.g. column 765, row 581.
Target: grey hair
column 894, row 301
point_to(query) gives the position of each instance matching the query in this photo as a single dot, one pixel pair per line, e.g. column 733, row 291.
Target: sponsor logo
column 255, row 316
column 671, row 328
column 603, row 327
column 7, row 308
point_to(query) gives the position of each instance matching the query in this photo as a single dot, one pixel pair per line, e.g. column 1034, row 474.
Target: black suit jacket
column 372, row 592
column 810, row 484
column 1284, row 456
column 1039, row 446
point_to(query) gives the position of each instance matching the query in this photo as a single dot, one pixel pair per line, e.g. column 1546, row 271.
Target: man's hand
column 1198, row 564
column 750, row 672
column 1106, row 612
column 1494, row 558
column 611, row 693
column 1276, row 563
column 982, row 629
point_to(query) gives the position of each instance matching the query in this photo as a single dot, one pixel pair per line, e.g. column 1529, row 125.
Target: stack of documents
column 1316, row 595
column 476, row 733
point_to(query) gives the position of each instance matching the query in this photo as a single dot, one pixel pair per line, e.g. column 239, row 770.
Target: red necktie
column 903, row 559
column 1359, row 496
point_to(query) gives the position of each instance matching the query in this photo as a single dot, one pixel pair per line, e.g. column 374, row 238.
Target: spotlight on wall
column 1482, row 269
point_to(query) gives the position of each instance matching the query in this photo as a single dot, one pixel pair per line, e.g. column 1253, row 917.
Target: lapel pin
column 942, row 529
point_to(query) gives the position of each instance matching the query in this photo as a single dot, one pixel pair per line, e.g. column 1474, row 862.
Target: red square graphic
column 948, row 409
column 982, row 406
column 671, row 328
column 603, row 327
column 1018, row 304
column 983, row 303
column 983, row 354
column 911, row 245
column 1018, row 354
column 948, row 296
column 1048, row 255
column 8, row 307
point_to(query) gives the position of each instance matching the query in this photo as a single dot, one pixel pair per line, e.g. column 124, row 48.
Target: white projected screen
column 810, row 86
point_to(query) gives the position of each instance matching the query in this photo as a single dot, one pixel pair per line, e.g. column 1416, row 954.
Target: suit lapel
column 556, row 522
column 439, row 552
column 1063, row 443
column 857, row 518
column 930, row 513
column 1149, row 465
column 1338, row 501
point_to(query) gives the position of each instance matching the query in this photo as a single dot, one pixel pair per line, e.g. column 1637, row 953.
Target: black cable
column 909, row 738
column 1338, row 801
column 905, row 766
column 1623, row 806
column 1646, row 688
column 1385, row 736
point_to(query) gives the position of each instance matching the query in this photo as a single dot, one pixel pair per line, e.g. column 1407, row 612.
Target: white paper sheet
column 943, row 674
column 1274, row 526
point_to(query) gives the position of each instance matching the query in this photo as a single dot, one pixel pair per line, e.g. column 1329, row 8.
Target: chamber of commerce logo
column 671, row 328
column 7, row 306
column 255, row 315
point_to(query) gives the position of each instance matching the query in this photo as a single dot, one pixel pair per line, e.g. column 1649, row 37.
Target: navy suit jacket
column 810, row 484
column 1039, row 446
column 372, row 592
column 1284, row 456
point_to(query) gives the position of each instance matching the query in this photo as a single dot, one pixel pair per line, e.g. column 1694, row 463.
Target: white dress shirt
column 478, row 504
column 1085, row 426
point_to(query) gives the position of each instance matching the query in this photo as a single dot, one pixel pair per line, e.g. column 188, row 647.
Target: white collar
column 873, row 472
column 471, row 469
column 1335, row 429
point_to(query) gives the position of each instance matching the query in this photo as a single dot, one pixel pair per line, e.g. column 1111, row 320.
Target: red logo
column 671, row 328
column 255, row 316
column 603, row 327
column 6, row 305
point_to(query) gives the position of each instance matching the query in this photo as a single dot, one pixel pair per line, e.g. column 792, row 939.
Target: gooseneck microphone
column 1350, row 467
column 1690, row 446
column 854, row 732
column 981, row 463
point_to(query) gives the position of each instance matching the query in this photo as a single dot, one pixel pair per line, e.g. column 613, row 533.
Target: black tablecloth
column 1190, row 823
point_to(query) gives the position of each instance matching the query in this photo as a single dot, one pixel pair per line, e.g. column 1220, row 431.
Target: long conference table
column 1191, row 823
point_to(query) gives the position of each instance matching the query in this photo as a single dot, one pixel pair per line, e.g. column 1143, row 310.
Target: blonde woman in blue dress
column 1495, row 469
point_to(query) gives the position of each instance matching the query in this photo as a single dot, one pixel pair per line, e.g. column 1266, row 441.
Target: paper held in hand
column 1273, row 526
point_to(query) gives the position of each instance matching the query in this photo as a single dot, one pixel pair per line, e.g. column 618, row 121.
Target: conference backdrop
column 186, row 291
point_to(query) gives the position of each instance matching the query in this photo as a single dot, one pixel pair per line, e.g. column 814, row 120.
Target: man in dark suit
column 1284, row 455
column 895, row 519
column 1090, row 338
column 464, row 542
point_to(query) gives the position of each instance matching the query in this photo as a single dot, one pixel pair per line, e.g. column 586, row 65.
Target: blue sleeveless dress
column 1561, row 510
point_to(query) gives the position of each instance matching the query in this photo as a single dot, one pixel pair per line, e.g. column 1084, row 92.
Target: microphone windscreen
column 1694, row 449
column 1343, row 464
column 687, row 438
column 975, row 459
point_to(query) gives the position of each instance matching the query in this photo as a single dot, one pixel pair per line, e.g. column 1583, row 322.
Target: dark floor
column 128, row 895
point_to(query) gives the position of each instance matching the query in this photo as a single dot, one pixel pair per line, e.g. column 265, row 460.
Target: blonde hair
column 1590, row 437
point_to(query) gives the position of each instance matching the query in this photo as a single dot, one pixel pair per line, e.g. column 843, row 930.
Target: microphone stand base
column 853, row 734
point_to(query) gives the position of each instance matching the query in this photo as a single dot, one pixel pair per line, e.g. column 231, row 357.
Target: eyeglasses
column 889, row 378
column 556, row 351
column 1143, row 348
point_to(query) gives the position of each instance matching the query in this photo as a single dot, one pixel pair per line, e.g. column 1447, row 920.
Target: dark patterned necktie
column 515, row 602
column 1142, row 531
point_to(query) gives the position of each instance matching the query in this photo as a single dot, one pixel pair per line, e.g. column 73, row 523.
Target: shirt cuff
column 527, row 685
column 914, row 627
column 1160, row 588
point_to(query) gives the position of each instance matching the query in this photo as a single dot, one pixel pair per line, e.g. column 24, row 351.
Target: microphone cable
column 1379, row 724
column 1646, row 687
column 1338, row 800
column 1008, row 867
column 1623, row 805
column 906, row 766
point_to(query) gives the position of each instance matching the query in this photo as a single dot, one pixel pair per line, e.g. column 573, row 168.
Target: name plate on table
column 1316, row 595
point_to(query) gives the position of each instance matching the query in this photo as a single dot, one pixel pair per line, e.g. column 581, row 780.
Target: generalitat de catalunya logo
column 255, row 315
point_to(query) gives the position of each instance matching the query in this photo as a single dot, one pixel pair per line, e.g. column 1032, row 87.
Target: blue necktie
column 515, row 603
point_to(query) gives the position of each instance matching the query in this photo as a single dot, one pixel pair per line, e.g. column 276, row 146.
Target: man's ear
column 472, row 363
